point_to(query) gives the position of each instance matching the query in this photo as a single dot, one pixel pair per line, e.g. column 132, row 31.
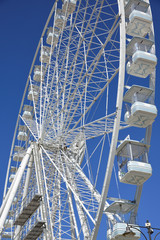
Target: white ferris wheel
column 84, row 125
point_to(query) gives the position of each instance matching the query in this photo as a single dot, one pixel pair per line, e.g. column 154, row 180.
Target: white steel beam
column 14, row 187
column 25, row 192
column 74, row 228
column 36, row 156
column 48, row 234
column 81, row 213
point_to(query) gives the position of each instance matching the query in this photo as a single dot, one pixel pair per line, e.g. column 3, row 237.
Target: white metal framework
column 60, row 168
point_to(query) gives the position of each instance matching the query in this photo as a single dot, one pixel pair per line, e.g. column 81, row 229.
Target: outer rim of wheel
column 119, row 108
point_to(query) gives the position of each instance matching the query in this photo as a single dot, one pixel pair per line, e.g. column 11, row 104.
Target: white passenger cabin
column 141, row 61
column 69, row 6
column 33, row 92
column 139, row 113
column 13, row 169
column 132, row 158
column 18, row 156
column 52, row 36
column 139, row 23
column 19, row 153
column 60, row 19
column 45, row 54
column 138, row 18
column 22, row 133
column 27, row 112
column 18, row 148
column 118, row 232
column 39, row 73
column 11, row 178
column 120, row 206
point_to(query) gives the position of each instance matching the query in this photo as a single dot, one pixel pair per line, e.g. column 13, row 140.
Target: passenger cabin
column 22, row 133
column 18, row 148
column 60, row 19
column 119, row 230
column 27, row 112
column 19, row 153
column 141, row 61
column 33, row 93
column 69, row 6
column 139, row 113
column 18, row 156
column 39, row 72
column 11, row 178
column 45, row 54
column 52, row 36
column 132, row 158
column 120, row 206
column 13, row 169
column 138, row 18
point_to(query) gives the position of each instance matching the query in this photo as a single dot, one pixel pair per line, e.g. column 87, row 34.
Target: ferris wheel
column 88, row 100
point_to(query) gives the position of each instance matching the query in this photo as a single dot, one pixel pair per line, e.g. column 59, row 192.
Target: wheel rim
column 64, row 118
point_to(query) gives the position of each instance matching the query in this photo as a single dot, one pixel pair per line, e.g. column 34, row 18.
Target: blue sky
column 21, row 24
